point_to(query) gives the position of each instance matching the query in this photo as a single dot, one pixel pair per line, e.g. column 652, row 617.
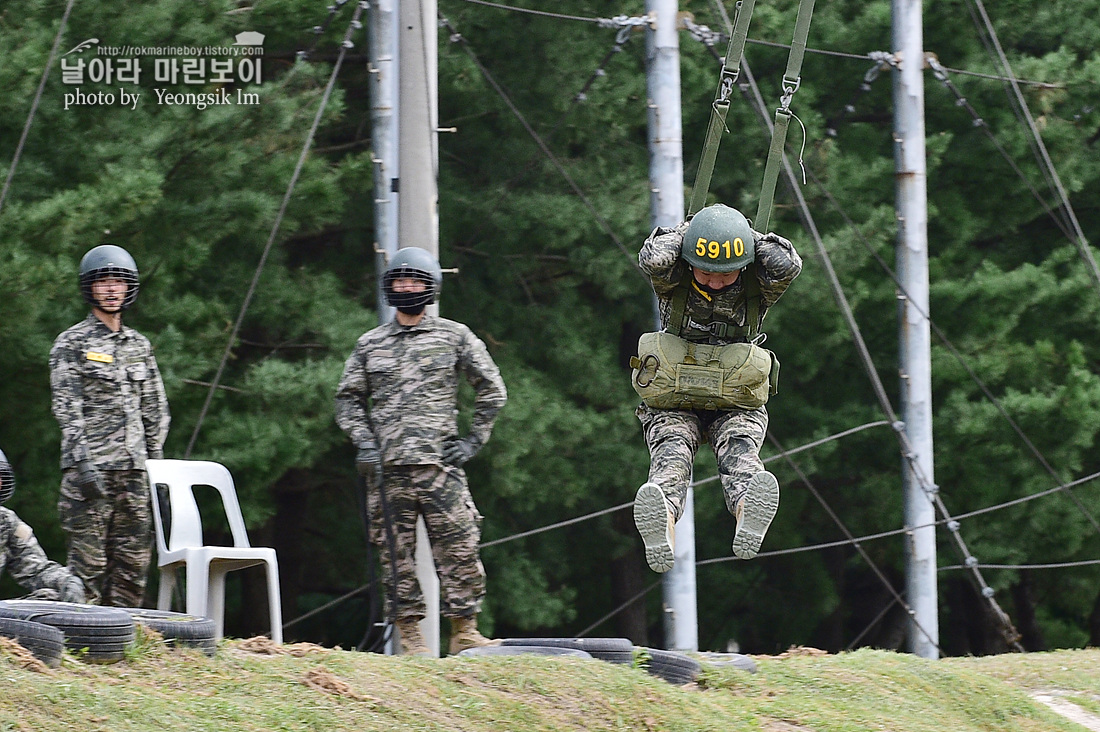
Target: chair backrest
column 180, row 477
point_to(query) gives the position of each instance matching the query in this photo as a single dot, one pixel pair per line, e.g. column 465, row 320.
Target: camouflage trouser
column 673, row 437
column 110, row 539
column 442, row 497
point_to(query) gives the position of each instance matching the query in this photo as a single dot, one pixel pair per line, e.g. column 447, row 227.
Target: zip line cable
column 986, row 391
column 1056, row 565
column 943, row 337
column 721, row 38
column 653, row 585
column 456, row 37
column 319, row 30
column 34, row 104
column 693, row 483
column 621, row 38
column 909, row 455
column 529, row 11
column 985, row 38
column 854, row 542
column 767, row 554
column 354, row 25
column 907, row 529
column 1044, row 156
column 940, row 73
column 870, row 537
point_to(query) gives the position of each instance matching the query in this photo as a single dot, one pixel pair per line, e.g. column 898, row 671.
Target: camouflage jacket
column 24, row 559
column 777, row 264
column 108, row 397
column 399, row 391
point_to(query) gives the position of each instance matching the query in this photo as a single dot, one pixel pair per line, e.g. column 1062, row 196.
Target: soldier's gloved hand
column 72, row 590
column 458, row 452
column 369, row 463
column 88, row 480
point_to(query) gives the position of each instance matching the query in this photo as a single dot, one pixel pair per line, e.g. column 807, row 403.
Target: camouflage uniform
column 735, row 435
column 24, row 559
column 109, row 399
column 399, row 394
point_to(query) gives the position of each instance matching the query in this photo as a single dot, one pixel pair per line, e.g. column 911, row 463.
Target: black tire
column 672, row 666
column 613, row 650
column 180, row 630
column 96, row 634
column 727, row 660
column 524, row 651
column 46, row 642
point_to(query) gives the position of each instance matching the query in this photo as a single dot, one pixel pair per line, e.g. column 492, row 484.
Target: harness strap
column 792, row 79
column 731, row 69
column 679, row 321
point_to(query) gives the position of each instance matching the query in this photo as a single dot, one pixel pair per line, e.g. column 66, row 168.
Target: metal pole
column 383, row 93
column 666, row 176
column 418, row 206
column 915, row 336
column 382, row 65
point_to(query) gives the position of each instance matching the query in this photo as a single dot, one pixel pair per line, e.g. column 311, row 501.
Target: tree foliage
column 549, row 281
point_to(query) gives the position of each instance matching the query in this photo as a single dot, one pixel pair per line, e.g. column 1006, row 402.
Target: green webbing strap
column 731, row 69
column 791, row 81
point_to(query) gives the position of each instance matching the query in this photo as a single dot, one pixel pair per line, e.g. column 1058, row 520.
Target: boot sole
column 759, row 505
column 651, row 518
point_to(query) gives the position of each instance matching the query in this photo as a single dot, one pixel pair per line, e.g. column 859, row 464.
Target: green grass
column 158, row 690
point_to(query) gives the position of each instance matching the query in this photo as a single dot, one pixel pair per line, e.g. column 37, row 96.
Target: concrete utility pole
column 666, row 176
column 404, row 118
column 418, row 204
column 915, row 336
column 382, row 29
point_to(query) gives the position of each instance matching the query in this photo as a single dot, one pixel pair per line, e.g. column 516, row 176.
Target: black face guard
column 128, row 276
column 410, row 303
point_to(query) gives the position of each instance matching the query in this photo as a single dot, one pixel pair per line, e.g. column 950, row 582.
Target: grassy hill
column 252, row 686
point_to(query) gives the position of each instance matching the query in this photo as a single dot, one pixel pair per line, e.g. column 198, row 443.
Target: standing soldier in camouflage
column 109, row 399
column 398, row 402
column 24, row 559
column 704, row 376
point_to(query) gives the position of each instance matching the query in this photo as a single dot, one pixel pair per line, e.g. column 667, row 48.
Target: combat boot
column 464, row 634
column 412, row 642
column 754, row 513
column 657, row 524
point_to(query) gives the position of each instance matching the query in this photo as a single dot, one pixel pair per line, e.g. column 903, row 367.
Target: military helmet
column 718, row 239
column 414, row 263
column 7, row 479
column 108, row 260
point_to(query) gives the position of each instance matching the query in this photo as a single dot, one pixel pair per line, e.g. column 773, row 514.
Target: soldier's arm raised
column 777, row 264
column 659, row 257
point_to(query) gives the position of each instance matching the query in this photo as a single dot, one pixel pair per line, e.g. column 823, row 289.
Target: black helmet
column 7, row 479
column 719, row 239
column 108, row 260
column 414, row 263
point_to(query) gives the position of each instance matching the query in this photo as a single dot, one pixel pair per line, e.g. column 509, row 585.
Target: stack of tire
column 95, row 634
column 672, row 666
column 180, row 630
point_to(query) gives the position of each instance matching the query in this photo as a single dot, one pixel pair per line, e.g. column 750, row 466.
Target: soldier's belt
column 671, row 373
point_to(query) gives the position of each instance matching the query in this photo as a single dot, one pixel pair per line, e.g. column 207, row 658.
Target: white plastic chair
column 206, row 566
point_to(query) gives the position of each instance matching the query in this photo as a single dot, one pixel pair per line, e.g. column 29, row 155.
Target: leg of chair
column 215, row 599
column 167, row 587
column 197, row 578
column 274, row 600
